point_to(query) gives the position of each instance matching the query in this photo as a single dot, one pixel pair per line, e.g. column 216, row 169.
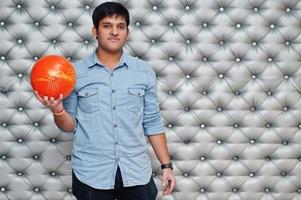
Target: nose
column 114, row 30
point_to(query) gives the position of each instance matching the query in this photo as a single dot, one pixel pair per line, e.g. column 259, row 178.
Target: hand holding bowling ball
column 53, row 75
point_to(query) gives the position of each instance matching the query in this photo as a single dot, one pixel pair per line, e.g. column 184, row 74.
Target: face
column 112, row 33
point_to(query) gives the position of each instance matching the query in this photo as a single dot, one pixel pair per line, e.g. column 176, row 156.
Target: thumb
column 164, row 181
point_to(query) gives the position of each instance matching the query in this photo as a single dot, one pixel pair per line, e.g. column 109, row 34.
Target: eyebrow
column 106, row 23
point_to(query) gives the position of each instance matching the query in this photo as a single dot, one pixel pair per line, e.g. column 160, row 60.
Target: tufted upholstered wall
column 229, row 84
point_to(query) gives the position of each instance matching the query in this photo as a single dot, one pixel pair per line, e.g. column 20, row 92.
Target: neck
column 110, row 59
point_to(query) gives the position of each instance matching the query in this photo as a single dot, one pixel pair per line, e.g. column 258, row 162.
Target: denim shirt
column 114, row 110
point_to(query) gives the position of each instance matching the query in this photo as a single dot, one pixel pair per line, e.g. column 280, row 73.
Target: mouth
column 114, row 39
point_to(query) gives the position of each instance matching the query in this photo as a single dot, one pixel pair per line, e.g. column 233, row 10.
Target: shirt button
column 116, row 143
column 115, row 125
column 114, row 108
column 112, row 74
column 113, row 91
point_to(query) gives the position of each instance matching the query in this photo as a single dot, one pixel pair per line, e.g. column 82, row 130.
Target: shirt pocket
column 135, row 99
column 88, row 100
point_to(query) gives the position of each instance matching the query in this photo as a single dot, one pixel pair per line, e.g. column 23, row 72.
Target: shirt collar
column 93, row 60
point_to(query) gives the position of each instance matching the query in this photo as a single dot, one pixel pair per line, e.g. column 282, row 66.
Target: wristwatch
column 167, row 165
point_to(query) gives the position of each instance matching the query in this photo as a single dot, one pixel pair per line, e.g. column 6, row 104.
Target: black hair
column 110, row 9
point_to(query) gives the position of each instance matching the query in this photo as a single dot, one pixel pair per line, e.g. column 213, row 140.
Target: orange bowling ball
column 53, row 75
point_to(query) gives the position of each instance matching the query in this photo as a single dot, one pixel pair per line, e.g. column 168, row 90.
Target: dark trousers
column 141, row 192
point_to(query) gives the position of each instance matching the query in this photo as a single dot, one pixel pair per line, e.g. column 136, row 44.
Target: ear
column 128, row 34
column 94, row 32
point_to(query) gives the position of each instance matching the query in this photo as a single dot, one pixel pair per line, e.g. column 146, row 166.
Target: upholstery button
column 19, row 41
column 2, row 57
column 19, row 6
column 52, row 174
column 236, row 125
column 188, row 41
column 286, row 76
column 68, row 157
column 87, row 7
column 285, row 108
column 285, row 142
column 35, row 157
column 169, row 125
column 205, row 59
column 170, row 92
column 53, row 140
column 3, row 157
column 254, row 76
column 251, row 174
column 267, row 189
column 3, row 189
column 287, row 43
column 270, row 59
column 69, row 190
column 186, row 174
column 154, row 174
column 238, row 25
column 35, row 57
column 19, row 173
column 137, row 23
column 187, row 7
column 205, row 25
column 20, row 140
column 203, row 125
column 221, row 9
column 270, row 93
column 254, row 43
column 267, row 158
column 221, row 42
column 235, row 190
column 70, row 24
column 221, row 75
column 219, row 141
column 299, row 126
column 36, row 189
column 52, row 7
column 54, row 41
column 235, row 158
column 202, row 158
column 68, row 58
column 202, row 190
column 288, row 10
column 283, row 173
column 4, row 124
column 237, row 92
column 36, row 23
column 219, row 174
column 2, row 23
column 86, row 41
column 252, row 141
column 186, row 141
column 20, row 75
column 187, row 76
column 170, row 24
column 187, row 109
column 237, row 59
column 155, row 8
column 299, row 190
column 204, row 92
column 256, row 9
column 272, row 26
column 268, row 125
column 219, row 109
column 153, row 41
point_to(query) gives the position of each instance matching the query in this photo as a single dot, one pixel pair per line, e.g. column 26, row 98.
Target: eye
column 106, row 26
column 121, row 27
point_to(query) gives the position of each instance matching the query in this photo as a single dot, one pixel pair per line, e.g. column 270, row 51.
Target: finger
column 45, row 98
column 61, row 97
column 172, row 185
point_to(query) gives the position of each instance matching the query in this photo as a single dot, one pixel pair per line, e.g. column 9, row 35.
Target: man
column 111, row 109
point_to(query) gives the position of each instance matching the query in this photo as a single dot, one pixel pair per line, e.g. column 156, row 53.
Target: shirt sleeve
column 152, row 119
column 70, row 105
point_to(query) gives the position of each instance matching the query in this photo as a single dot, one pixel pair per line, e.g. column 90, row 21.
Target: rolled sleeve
column 70, row 105
column 152, row 119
